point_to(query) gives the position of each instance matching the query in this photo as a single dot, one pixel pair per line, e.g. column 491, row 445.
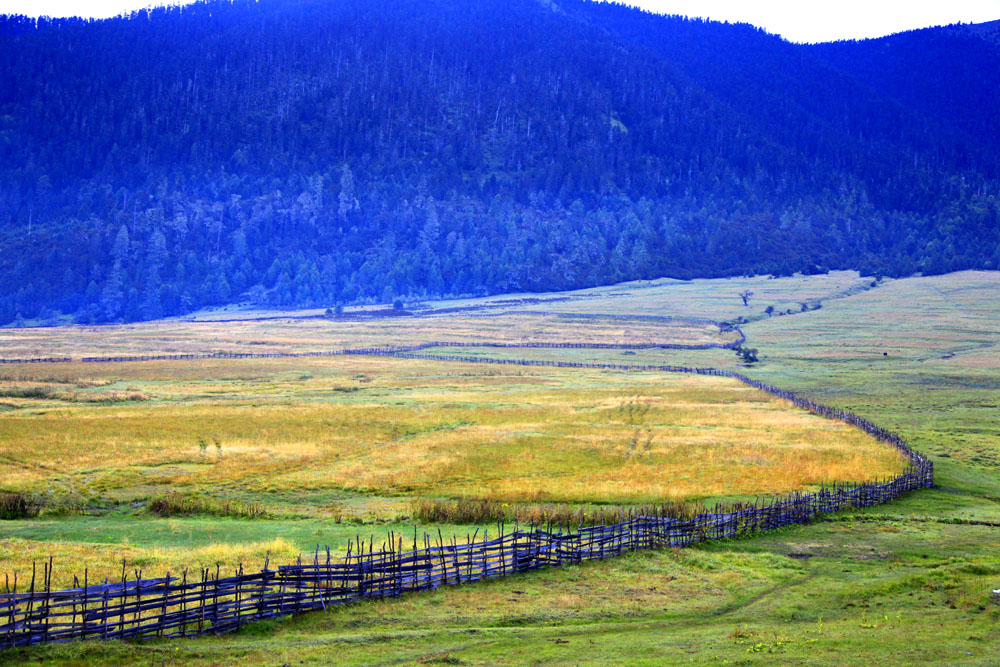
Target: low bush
column 482, row 511
column 177, row 504
column 18, row 505
column 25, row 392
column 54, row 393
column 114, row 396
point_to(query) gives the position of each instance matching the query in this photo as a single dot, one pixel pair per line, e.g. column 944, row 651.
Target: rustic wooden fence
column 210, row 603
column 31, row 612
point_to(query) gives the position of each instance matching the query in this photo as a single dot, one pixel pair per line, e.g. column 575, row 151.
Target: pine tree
column 113, row 295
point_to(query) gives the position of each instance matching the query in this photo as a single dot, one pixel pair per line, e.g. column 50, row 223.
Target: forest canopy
column 321, row 152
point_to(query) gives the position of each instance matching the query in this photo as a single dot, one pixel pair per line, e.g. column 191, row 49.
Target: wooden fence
column 380, row 351
column 31, row 612
column 210, row 603
column 373, row 351
column 37, row 360
column 723, row 326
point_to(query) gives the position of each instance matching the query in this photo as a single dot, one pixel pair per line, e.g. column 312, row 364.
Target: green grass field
column 906, row 583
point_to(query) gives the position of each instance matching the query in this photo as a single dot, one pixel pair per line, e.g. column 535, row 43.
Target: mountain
column 314, row 152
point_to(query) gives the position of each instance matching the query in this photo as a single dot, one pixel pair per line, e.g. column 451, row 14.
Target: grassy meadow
column 333, row 442
column 321, row 334
column 402, row 428
column 714, row 299
column 906, row 583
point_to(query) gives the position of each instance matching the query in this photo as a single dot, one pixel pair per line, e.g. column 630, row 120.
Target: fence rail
column 38, row 360
column 723, row 327
column 170, row 606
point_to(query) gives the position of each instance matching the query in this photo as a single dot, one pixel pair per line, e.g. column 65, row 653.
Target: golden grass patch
column 402, row 427
column 105, row 560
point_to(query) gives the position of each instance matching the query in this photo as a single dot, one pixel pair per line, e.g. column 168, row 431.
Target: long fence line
column 564, row 314
column 38, row 360
column 374, row 351
column 723, row 327
column 208, row 603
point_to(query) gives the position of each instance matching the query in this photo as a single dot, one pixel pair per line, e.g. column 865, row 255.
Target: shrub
column 25, row 392
column 113, row 396
column 18, row 505
column 481, row 511
column 177, row 504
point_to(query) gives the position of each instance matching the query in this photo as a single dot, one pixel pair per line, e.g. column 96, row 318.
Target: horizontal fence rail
column 38, row 360
column 722, row 326
column 387, row 351
column 209, row 603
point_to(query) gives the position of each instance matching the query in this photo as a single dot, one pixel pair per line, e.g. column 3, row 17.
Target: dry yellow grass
column 102, row 561
column 398, row 427
column 317, row 335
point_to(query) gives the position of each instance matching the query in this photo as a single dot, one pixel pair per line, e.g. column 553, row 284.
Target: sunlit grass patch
column 71, row 558
column 353, row 438
column 440, row 430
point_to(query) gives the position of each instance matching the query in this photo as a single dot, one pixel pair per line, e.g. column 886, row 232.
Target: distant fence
column 37, row 360
column 380, row 351
column 33, row 613
column 723, row 327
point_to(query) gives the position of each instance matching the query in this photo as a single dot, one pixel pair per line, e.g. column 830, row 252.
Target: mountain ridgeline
column 318, row 152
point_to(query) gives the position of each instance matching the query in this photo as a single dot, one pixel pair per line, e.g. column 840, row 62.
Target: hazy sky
column 797, row 20
column 825, row 20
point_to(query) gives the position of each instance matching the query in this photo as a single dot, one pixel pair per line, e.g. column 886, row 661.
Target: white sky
column 796, row 20
column 826, row 20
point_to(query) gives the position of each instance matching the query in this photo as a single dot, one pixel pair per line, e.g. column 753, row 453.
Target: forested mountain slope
column 312, row 152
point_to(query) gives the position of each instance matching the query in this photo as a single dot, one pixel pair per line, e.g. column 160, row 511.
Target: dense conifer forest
column 322, row 152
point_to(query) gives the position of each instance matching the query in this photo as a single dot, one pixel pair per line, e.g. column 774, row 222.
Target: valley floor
column 906, row 583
